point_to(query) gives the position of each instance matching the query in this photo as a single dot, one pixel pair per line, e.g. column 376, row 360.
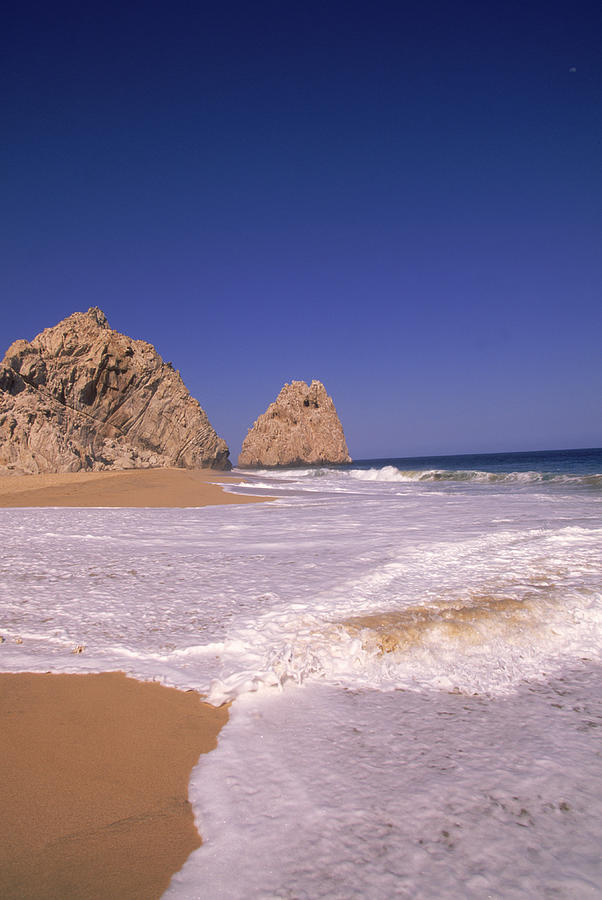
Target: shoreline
column 147, row 488
column 96, row 766
column 94, row 782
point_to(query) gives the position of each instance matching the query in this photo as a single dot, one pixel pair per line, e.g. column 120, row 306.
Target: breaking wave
column 480, row 642
column 391, row 473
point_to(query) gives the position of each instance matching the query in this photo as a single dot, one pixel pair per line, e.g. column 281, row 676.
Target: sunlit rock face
column 81, row 396
column 301, row 427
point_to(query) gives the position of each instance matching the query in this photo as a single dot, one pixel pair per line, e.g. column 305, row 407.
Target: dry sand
column 131, row 487
column 94, row 785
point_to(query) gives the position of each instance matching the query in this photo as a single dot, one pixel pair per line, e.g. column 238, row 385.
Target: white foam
column 328, row 793
column 251, row 603
column 393, row 474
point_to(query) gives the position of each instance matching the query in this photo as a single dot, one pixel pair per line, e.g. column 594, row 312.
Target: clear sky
column 400, row 199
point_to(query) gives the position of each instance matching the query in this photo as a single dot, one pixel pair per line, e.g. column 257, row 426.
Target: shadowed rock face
column 81, row 396
column 300, row 428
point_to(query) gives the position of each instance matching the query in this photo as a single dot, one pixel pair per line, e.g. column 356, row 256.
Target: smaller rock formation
column 81, row 396
column 300, row 428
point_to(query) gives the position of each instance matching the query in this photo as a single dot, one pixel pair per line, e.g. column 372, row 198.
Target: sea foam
column 414, row 664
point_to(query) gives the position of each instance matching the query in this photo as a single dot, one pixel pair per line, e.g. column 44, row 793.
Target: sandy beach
column 435, row 632
column 94, row 784
column 95, row 768
column 131, row 488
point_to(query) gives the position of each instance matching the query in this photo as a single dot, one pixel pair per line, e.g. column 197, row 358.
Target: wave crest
column 392, row 474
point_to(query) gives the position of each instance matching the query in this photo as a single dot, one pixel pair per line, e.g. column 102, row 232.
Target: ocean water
column 413, row 652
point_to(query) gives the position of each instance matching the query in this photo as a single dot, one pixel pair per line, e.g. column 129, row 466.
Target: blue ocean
column 544, row 465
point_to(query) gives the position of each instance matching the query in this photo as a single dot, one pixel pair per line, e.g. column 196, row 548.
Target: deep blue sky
column 400, row 199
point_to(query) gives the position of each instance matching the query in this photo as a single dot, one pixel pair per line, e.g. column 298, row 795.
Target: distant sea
column 541, row 463
column 413, row 649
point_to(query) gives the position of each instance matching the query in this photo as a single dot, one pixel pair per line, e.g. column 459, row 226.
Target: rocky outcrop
column 82, row 396
column 300, row 428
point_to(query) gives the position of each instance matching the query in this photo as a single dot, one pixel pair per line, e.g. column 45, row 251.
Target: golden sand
column 94, row 784
column 95, row 768
column 125, row 488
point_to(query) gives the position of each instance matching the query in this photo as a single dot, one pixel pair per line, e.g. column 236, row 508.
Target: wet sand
column 125, row 488
column 94, row 784
column 95, row 768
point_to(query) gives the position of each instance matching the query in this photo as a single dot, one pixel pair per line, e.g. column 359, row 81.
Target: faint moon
column 573, row 69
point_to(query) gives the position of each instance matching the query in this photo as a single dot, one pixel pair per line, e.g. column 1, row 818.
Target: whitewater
column 413, row 653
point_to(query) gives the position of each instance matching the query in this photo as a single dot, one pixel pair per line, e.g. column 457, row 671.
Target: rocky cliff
column 300, row 428
column 82, row 396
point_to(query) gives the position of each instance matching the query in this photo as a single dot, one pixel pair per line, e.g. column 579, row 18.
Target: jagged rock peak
column 301, row 427
column 98, row 316
column 82, row 396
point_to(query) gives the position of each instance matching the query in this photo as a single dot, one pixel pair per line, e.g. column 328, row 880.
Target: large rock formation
column 82, row 396
column 300, row 428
